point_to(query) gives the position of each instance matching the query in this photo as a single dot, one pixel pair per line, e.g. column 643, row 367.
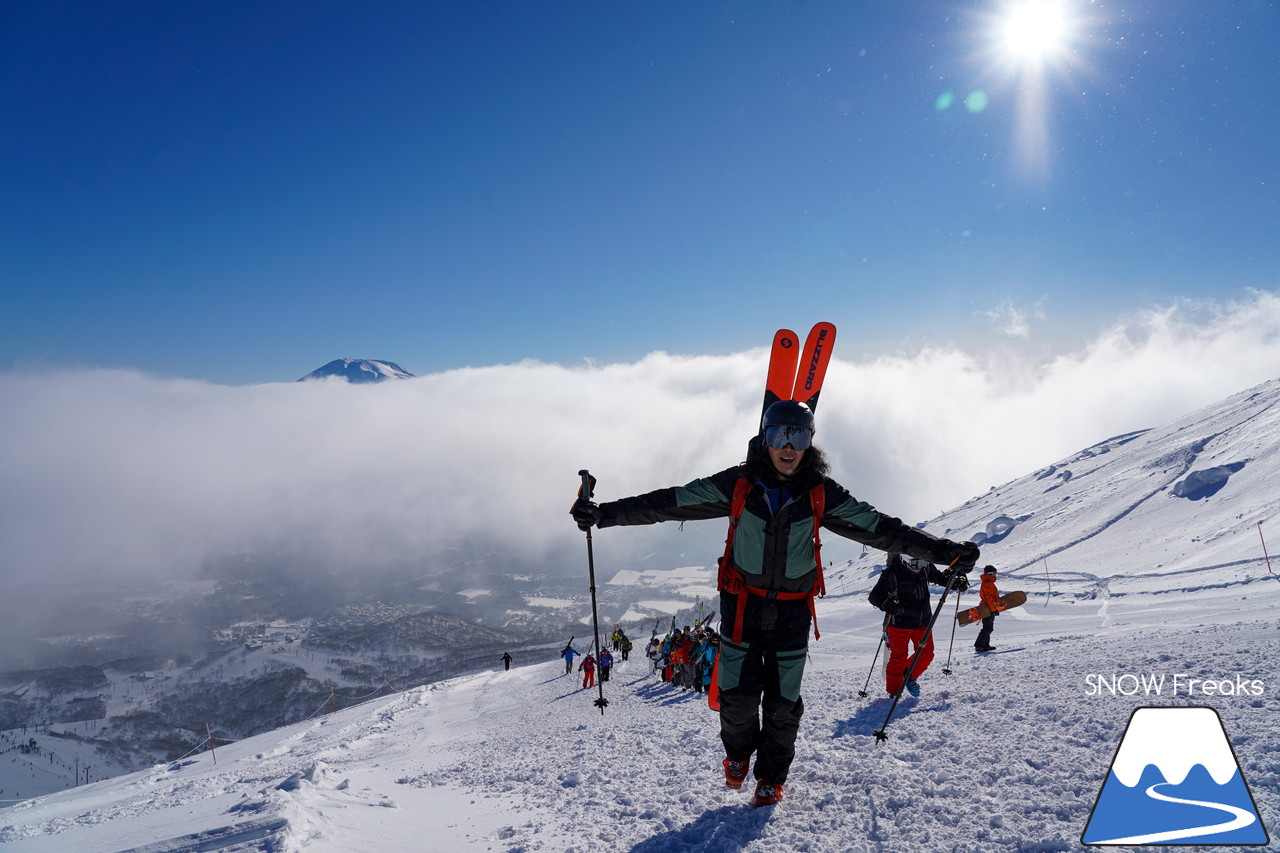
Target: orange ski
column 782, row 368
column 816, row 355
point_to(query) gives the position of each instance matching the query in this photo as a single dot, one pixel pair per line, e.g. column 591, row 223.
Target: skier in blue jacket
column 567, row 654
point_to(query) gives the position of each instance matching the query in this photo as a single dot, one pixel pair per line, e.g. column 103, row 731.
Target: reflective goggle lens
column 779, row 437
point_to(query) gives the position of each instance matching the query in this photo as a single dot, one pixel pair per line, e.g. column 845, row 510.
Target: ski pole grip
column 588, row 485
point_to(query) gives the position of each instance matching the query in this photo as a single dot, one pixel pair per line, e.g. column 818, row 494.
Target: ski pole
column 881, row 735
column 946, row 670
column 863, row 691
column 1264, row 549
column 585, row 493
column 1049, row 581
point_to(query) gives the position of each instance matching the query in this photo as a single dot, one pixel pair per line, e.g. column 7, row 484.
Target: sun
column 1035, row 29
column 1026, row 47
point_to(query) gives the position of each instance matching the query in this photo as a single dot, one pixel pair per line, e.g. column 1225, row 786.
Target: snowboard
column 977, row 614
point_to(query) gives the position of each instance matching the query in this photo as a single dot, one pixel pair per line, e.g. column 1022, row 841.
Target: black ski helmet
column 788, row 413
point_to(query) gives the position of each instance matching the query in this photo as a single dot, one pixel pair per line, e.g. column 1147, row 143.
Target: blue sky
column 240, row 192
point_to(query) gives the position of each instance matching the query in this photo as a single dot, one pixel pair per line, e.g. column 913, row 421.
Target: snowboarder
column 770, row 576
column 902, row 592
column 506, row 661
column 588, row 670
column 991, row 597
column 625, row 646
column 567, row 654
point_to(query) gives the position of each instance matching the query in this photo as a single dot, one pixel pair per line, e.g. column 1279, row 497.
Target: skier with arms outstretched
column 781, row 495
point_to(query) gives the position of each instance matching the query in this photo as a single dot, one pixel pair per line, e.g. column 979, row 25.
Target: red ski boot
column 767, row 794
column 734, row 773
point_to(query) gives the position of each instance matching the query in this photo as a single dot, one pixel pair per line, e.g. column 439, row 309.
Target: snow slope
column 1006, row 754
column 1141, row 594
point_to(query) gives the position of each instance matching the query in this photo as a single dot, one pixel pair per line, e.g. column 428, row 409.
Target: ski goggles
column 779, row 437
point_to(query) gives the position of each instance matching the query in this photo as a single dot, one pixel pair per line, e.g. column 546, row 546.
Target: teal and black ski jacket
column 774, row 551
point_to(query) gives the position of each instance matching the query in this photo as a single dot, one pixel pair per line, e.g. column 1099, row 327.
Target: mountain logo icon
column 1175, row 780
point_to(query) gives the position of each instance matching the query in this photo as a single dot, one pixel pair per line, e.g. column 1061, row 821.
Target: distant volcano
column 360, row 370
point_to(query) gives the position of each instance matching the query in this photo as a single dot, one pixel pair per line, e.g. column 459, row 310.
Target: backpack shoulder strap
column 818, row 500
column 728, row 578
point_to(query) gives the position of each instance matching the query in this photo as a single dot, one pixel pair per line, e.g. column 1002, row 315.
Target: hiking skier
column 769, row 576
column 506, row 661
column 588, row 670
column 568, row 653
column 606, row 664
column 654, row 654
column 902, row 592
column 990, row 597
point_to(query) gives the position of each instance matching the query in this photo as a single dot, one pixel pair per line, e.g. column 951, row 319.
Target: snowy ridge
column 1142, row 508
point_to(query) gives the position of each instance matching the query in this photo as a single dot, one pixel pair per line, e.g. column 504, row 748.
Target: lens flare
column 977, row 101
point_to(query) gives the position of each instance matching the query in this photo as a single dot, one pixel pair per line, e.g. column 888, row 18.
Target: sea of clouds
column 111, row 472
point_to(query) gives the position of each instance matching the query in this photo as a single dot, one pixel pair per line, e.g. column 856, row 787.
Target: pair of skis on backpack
column 795, row 372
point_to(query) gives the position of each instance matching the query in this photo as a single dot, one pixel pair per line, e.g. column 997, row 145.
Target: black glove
column 893, row 608
column 960, row 583
column 962, row 556
column 585, row 513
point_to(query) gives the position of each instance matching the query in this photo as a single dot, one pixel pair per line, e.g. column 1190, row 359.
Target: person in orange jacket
column 990, row 597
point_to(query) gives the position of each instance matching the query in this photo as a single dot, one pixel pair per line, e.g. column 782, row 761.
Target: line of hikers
column 685, row 658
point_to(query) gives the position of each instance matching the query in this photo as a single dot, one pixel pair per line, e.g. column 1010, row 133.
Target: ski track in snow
column 1006, row 754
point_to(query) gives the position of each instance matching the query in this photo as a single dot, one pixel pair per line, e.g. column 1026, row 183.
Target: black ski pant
column 759, row 679
column 984, row 636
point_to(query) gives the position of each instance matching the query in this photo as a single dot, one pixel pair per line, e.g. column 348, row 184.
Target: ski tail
column 783, row 360
column 713, row 692
column 815, row 357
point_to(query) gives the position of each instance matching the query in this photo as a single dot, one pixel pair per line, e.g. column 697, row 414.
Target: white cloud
column 1014, row 321
column 108, row 472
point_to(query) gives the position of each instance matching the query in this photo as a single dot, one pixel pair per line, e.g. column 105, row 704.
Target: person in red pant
column 902, row 592
column 588, row 669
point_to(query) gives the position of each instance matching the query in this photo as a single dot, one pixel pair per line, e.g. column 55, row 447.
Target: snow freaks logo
column 1174, row 780
column 1151, row 684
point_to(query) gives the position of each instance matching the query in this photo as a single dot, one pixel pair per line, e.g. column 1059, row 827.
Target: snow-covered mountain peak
column 360, row 370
